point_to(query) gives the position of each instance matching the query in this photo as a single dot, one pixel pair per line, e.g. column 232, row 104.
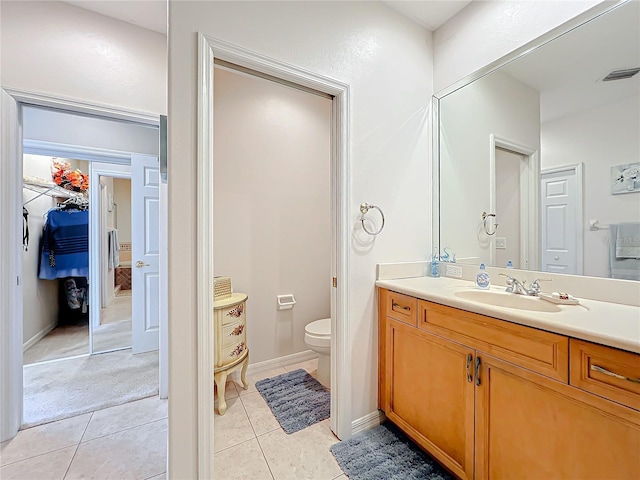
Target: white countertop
column 601, row 322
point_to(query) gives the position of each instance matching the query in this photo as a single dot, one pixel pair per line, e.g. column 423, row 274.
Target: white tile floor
column 130, row 442
column 250, row 444
column 124, row 442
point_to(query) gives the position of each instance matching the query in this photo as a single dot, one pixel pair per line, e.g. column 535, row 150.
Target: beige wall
column 40, row 300
column 272, row 206
column 122, row 198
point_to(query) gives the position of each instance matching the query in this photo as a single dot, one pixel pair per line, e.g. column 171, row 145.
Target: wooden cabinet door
column 429, row 394
column 532, row 427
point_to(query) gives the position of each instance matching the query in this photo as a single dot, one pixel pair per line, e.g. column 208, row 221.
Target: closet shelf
column 43, row 187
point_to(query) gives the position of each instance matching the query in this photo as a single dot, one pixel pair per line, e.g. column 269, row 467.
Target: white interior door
column 562, row 220
column 145, row 246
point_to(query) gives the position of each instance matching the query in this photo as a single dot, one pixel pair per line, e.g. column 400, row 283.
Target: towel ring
column 364, row 208
column 485, row 216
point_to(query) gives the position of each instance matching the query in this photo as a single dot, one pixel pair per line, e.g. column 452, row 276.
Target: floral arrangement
column 65, row 177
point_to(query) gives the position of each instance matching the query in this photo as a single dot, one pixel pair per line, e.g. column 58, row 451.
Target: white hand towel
column 628, row 240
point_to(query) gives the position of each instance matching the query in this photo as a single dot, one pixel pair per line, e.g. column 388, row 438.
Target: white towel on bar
column 622, row 268
column 113, row 247
column 628, row 240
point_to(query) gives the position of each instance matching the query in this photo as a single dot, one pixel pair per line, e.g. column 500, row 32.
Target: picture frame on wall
column 625, row 178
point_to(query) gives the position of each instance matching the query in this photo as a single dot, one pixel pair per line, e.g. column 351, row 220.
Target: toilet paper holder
column 286, row 302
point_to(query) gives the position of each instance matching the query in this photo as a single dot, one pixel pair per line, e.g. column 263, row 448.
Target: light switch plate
column 501, row 242
column 453, row 271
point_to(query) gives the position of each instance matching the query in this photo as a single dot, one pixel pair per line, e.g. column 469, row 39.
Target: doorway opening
column 79, row 254
column 272, row 221
column 211, row 51
column 514, row 170
column 51, row 375
column 56, row 284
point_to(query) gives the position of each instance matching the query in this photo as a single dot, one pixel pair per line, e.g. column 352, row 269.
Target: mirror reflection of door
column 562, row 220
column 508, row 205
column 114, row 328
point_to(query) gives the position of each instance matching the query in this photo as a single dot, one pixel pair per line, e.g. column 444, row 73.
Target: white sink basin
column 509, row 300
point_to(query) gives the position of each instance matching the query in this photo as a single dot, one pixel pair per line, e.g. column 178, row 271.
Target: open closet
column 56, row 259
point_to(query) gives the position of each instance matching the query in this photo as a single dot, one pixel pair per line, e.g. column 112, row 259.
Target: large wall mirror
column 539, row 160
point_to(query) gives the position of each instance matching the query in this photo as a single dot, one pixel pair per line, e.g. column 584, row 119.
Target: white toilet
column 317, row 336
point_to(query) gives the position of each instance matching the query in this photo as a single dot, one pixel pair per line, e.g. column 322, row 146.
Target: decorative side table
column 231, row 343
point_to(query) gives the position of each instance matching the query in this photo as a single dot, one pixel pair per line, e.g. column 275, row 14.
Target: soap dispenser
column 482, row 278
column 435, row 264
column 509, row 264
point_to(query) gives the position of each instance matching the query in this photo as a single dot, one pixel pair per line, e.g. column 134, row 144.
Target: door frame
column 529, row 200
column 209, row 50
column 577, row 168
column 11, row 295
column 97, row 170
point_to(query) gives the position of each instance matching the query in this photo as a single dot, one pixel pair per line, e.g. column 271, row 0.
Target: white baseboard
column 367, row 422
column 278, row 362
column 38, row 336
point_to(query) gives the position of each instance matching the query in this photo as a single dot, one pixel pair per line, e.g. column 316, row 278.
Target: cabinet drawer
column 232, row 352
column 543, row 352
column 607, row 372
column 233, row 333
column 233, row 313
column 401, row 307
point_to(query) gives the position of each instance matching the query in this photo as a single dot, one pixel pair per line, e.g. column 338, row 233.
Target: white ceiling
column 152, row 14
column 429, row 14
column 149, row 14
column 568, row 71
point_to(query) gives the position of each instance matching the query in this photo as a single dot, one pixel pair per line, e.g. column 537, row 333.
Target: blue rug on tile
column 296, row 399
column 385, row 453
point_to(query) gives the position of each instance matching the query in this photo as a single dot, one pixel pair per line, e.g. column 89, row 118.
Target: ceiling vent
column 621, row 74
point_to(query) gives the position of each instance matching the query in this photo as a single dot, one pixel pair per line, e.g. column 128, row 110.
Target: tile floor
column 130, row 441
column 124, row 442
column 250, row 444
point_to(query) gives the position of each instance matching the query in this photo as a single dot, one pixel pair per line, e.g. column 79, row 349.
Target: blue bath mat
column 385, row 453
column 296, row 399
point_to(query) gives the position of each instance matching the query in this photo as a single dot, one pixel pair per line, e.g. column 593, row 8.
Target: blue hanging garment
column 65, row 246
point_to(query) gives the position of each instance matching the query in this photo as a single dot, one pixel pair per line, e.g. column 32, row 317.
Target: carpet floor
column 296, row 399
column 68, row 340
column 385, row 453
column 63, row 389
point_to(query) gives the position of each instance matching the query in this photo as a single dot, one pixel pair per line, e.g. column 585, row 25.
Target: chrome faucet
column 534, row 289
column 515, row 286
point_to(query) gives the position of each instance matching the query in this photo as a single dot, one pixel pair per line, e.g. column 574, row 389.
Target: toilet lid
column 319, row 327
